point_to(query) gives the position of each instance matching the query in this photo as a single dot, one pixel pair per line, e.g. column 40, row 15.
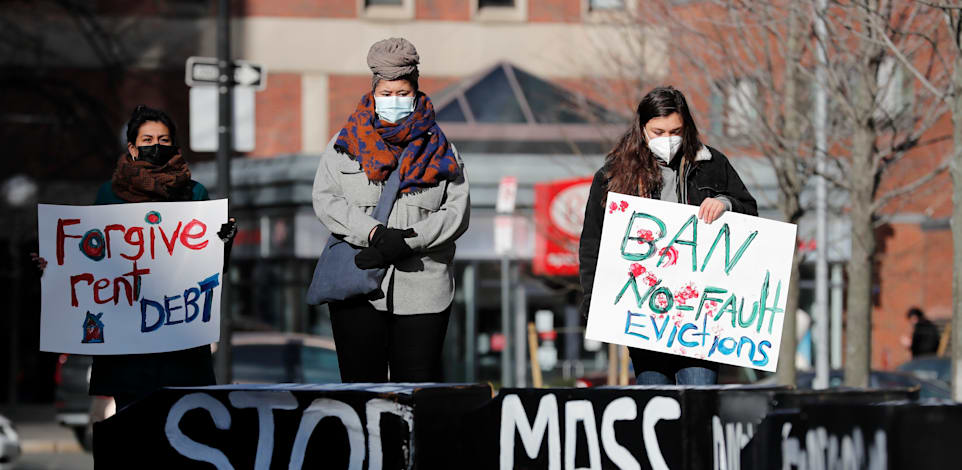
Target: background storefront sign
column 559, row 216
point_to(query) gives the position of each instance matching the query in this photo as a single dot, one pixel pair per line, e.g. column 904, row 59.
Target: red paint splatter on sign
column 671, row 253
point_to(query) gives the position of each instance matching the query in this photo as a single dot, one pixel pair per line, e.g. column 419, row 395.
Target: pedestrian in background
column 662, row 157
column 925, row 335
column 396, row 333
column 152, row 170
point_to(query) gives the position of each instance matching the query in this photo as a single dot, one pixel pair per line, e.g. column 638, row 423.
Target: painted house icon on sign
column 93, row 328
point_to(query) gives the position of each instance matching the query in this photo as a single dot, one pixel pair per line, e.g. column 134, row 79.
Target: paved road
column 52, row 461
column 46, row 445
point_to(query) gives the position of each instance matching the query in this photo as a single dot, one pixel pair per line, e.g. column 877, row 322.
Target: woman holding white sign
column 662, row 157
column 152, row 170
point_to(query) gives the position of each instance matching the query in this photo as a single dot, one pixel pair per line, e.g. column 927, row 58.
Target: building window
column 607, row 11
column 386, row 9
column 499, row 10
column 894, row 91
column 606, row 5
column 740, row 104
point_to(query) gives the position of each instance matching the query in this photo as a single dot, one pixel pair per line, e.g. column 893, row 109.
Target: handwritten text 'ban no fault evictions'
column 668, row 282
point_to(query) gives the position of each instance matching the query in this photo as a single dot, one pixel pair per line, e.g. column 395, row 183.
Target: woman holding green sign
column 662, row 157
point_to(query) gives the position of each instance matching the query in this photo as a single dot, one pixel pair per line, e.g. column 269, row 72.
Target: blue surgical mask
column 393, row 108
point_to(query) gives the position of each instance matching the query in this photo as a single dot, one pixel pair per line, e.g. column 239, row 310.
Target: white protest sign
column 668, row 282
column 130, row 278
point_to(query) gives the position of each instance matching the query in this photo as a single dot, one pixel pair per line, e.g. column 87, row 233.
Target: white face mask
column 665, row 147
column 393, row 108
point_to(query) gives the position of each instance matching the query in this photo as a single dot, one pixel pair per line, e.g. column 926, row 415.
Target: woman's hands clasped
column 387, row 246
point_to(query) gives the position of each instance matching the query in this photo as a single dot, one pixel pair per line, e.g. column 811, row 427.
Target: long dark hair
column 630, row 167
column 144, row 114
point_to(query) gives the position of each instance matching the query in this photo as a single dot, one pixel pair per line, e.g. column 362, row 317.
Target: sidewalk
column 39, row 430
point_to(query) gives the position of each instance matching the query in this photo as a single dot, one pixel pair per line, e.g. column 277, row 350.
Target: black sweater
column 706, row 178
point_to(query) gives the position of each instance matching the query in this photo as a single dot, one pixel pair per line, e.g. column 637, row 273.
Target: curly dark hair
column 630, row 167
column 144, row 114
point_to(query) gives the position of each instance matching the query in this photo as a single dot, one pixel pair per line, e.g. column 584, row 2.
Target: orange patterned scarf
column 426, row 158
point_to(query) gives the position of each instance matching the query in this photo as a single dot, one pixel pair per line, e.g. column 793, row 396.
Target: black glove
column 228, row 231
column 390, row 242
column 369, row 258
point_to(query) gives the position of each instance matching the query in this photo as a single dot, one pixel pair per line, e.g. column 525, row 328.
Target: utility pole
column 520, row 329
column 224, row 149
column 821, row 202
column 507, row 378
column 470, row 281
column 504, row 245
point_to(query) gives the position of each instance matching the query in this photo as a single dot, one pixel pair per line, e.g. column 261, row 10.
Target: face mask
column 664, row 148
column 393, row 108
column 157, row 154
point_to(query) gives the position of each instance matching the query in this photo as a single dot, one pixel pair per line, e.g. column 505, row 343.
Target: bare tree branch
column 882, row 200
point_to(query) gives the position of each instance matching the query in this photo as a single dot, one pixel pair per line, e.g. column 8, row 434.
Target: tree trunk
column 858, row 329
column 956, row 171
column 785, row 374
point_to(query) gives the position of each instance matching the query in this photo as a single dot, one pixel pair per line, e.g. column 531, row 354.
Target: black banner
column 428, row 426
column 368, row 426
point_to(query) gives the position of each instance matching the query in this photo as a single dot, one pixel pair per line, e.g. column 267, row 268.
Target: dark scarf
column 139, row 181
column 417, row 142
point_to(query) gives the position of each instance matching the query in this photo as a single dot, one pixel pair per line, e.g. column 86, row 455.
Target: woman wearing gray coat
column 396, row 334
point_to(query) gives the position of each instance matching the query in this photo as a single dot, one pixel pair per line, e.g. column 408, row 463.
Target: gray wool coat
column 344, row 200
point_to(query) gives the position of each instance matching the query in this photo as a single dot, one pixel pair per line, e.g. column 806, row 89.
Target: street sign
column 204, row 119
column 507, row 194
column 503, row 234
column 204, row 71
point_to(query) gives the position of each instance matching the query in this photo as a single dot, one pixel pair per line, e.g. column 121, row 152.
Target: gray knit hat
column 393, row 59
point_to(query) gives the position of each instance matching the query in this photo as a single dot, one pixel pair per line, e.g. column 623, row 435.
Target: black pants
column 370, row 343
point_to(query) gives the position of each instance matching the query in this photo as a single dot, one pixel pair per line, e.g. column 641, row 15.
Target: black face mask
column 157, row 154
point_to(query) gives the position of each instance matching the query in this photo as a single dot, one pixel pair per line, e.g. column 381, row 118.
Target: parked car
column 929, row 368
column 877, row 379
column 9, row 445
column 72, row 377
column 283, row 358
column 258, row 357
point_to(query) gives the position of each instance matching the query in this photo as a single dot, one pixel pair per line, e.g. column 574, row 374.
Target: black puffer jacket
column 708, row 177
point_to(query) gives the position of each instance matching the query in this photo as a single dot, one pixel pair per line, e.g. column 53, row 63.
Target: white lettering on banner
column 188, row 447
column 664, row 285
column 657, row 409
column 265, row 403
column 322, row 408
column 581, row 411
column 514, row 419
column 621, row 409
column 824, row 451
column 375, row 407
column 728, row 442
